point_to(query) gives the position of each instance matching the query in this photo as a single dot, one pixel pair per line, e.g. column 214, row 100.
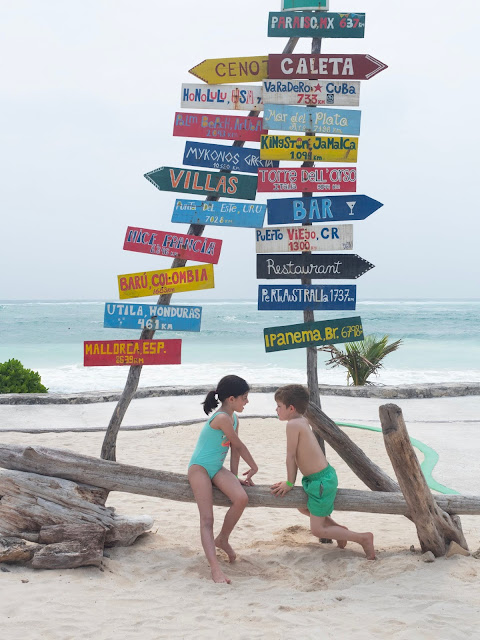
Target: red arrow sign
column 333, row 66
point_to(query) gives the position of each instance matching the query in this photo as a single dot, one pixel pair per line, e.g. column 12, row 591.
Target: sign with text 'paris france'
column 157, row 283
column 313, row 334
column 218, row 127
column 204, row 183
column 216, row 156
column 159, row 317
column 332, row 93
column 221, row 214
column 333, row 66
column 343, row 122
column 232, row 70
column 307, row 179
column 173, row 245
column 300, row 297
column 325, row 266
column 321, row 209
column 312, row 24
column 309, row 148
column 221, row 96
column 114, row 353
column 304, row 238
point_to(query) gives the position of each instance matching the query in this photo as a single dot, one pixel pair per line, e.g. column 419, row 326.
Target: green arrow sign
column 289, row 5
column 311, row 334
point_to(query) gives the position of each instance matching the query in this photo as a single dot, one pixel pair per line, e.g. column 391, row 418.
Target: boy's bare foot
column 219, row 576
column 341, row 544
column 220, row 543
column 368, row 547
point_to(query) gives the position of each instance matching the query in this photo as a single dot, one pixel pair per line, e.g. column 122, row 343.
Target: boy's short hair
column 295, row 395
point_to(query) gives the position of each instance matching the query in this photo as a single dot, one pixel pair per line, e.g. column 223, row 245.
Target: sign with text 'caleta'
column 311, row 24
column 307, row 179
column 326, row 266
column 333, row 66
column 299, row 297
column 312, row 92
column 304, row 238
column 220, row 96
column 291, row 5
column 309, row 148
column 321, row 209
column 232, row 70
column 222, row 214
column 114, row 353
column 313, row 334
column 343, row 122
column 157, row 283
column 160, row 317
column 203, row 183
column 217, row 127
column 216, row 156
column 172, row 245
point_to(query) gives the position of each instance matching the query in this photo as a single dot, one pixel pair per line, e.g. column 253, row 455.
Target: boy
column 319, row 478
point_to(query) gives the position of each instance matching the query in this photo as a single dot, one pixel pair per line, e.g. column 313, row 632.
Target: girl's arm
column 234, row 460
column 226, row 425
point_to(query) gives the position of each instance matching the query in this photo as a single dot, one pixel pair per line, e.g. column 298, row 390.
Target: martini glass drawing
column 350, row 206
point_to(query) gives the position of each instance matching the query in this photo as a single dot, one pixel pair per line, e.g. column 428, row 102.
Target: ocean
column 441, row 343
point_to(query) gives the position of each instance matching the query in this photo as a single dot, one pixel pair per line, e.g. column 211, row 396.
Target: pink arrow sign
column 332, row 66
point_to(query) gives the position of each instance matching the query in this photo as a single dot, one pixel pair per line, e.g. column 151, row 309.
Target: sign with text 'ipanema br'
column 173, row 245
column 157, row 283
column 160, row 317
column 313, row 334
column 204, row 183
column 321, row 209
column 218, row 127
column 300, row 297
column 304, row 238
column 222, row 214
column 309, row 148
column 221, row 96
column 343, row 122
column 311, row 24
column 216, row 156
column 111, row 353
column 333, row 93
column 289, row 5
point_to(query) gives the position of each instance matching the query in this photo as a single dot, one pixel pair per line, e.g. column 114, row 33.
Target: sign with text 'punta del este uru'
column 217, row 127
column 111, row 353
column 312, row 92
column 309, row 148
column 172, row 245
column 291, row 5
column 326, row 266
column 300, row 297
column 311, row 334
column 304, row 238
column 224, row 158
column 316, row 209
column 221, row 96
column 312, row 24
column 157, row 283
column 161, row 317
column 343, row 122
column 333, row 66
column 232, row 70
column 222, row 214
column 307, row 179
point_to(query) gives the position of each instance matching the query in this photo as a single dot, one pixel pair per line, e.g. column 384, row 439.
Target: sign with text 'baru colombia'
column 220, row 214
column 298, row 297
column 312, row 334
column 111, row 353
column 173, row 245
column 217, row 127
column 157, row 283
column 203, row 183
column 160, row 317
column 312, row 92
column 311, row 24
column 307, row 179
column 321, row 209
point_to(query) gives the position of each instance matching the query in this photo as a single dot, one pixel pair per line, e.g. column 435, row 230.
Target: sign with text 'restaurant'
column 325, row 266
column 290, row 5
column 312, row 24
column 203, row 183
column 216, row 156
column 218, row 127
column 304, row 238
column 232, row 70
column 309, row 148
column 320, row 209
column 157, row 283
column 311, row 334
column 300, row 297
column 333, row 93
column 332, row 66
column 343, row 122
column 111, row 353
column 160, row 317
column 173, row 245
column 222, row 214
column 221, row 96
column 307, row 179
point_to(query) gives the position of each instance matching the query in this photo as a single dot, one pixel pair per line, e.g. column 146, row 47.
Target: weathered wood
column 14, row 549
column 69, row 555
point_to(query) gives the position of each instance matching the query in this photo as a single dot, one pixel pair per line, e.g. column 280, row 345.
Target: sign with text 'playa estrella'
column 220, row 96
column 304, row 238
column 217, row 156
column 309, row 148
column 311, row 24
column 343, row 122
column 307, row 179
column 232, row 70
column 314, row 297
column 222, row 214
column 312, row 334
column 114, row 353
column 289, row 5
column 326, row 266
column 173, row 245
column 160, row 317
column 357, row 66
column 218, row 127
column 203, row 183
column 320, row 209
column 157, row 283
column 312, row 92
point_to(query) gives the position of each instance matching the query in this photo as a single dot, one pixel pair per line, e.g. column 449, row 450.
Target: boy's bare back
column 308, row 454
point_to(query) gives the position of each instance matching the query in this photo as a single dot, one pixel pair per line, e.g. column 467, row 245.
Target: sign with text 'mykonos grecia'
column 313, row 334
column 307, row 179
column 220, row 214
column 172, row 245
column 312, row 24
column 334, row 93
column 218, row 127
column 111, row 353
column 358, row 66
column 157, row 283
column 325, row 266
column 204, row 183
column 301, row 297
column 309, row 148
column 160, row 317
column 304, row 238
column 320, row 209
column 291, row 5
column 232, row 70
column 224, row 158
column 221, row 96
column 343, row 122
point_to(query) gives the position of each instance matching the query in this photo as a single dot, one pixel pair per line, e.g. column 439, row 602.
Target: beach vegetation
column 15, row 378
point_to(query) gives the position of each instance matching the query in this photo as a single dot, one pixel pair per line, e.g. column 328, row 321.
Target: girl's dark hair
column 228, row 386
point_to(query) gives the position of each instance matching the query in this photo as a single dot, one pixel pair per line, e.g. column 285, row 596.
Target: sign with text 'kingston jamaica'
column 313, row 334
column 314, row 297
column 222, row 214
column 312, row 92
column 232, row 70
column 157, row 283
column 220, row 96
column 289, row 5
column 326, row 266
column 217, row 127
column 160, row 317
column 203, row 183
column 333, row 66
column 173, row 245
column 111, row 353
column 309, row 148
column 304, row 238
column 307, row 179
column 321, row 209
column 343, row 122
column 216, row 156
column 311, row 24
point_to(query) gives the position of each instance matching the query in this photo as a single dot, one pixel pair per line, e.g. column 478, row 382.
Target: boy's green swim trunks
column 321, row 489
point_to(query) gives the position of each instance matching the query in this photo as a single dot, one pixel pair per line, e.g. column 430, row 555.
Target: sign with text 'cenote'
column 217, row 127
column 203, row 183
column 311, row 24
column 220, row 96
column 304, row 238
column 309, row 148
column 160, row 317
column 173, row 245
column 307, row 179
column 111, row 353
column 312, row 92
column 223, row 214
column 298, row 297
column 344, row 122
column 326, row 266
column 216, row 156
column 316, row 209
column 333, row 66
column 311, row 334
column 232, row 70
column 156, row 283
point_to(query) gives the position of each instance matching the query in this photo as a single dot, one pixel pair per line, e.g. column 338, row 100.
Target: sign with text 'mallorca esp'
column 172, row 245
column 111, row 353
column 160, row 317
column 313, row 334
column 300, row 297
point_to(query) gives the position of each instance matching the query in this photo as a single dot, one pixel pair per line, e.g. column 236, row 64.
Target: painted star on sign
column 318, row 88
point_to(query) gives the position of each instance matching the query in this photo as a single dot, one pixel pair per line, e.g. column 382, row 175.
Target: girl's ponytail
column 210, row 403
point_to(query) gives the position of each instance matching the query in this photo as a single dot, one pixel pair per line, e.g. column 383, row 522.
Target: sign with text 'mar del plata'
column 223, row 214
column 289, row 5
column 309, row 148
column 313, row 334
column 204, row 183
column 312, row 92
column 332, row 66
column 327, row 266
column 216, row 156
column 217, row 127
column 220, row 96
column 343, row 122
column 173, row 245
column 311, row 24
column 157, row 283
column 307, row 179
column 232, row 70
column 314, row 297
column 161, row 317
column 304, row 238
column 111, row 353
column 315, row 209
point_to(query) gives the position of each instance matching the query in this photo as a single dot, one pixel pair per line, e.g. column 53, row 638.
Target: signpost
column 312, row 24
column 326, row 266
column 288, row 5
column 344, row 122
column 307, row 179
column 217, row 127
column 111, row 353
column 157, row 283
column 174, row 245
column 216, row 156
column 223, row 214
column 304, row 238
column 309, row 148
column 332, row 66
column 312, row 92
column 205, row 183
column 299, row 297
column 160, row 317
column 312, row 334
column 317, row 209
column 220, row 96
column 232, row 70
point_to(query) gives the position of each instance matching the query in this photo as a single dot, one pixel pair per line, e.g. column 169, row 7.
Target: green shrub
column 14, row 378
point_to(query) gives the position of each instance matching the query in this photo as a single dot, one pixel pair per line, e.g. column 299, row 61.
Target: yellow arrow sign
column 309, row 148
column 154, row 283
column 232, row 70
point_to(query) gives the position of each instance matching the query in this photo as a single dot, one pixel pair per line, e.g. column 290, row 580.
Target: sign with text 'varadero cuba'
column 333, row 66
column 157, row 283
column 317, row 209
column 111, row 353
column 223, row 214
column 299, row 297
column 304, row 238
column 207, row 125
column 160, row 317
column 173, row 245
column 220, row 96
column 232, row 70
column 289, row 5
column 307, row 179
column 313, row 334
column 203, row 183
column 312, row 92
column 216, row 156
column 343, row 122
column 309, row 148
column 312, row 24
column 326, row 266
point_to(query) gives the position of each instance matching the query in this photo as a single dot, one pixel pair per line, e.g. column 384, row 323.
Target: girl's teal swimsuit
column 212, row 447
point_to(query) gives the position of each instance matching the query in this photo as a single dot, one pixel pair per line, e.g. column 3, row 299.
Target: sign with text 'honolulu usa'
column 223, row 214
column 309, row 148
column 220, row 96
column 216, row 156
column 312, row 92
column 204, row 183
column 313, row 334
column 111, row 353
column 160, row 317
column 300, row 297
column 311, row 24
column 307, row 179
column 333, row 66
column 157, row 283
column 321, row 209
column 325, row 266
column 173, row 245
column 217, row 127
column 343, row 122
column 304, row 238
column 232, row 70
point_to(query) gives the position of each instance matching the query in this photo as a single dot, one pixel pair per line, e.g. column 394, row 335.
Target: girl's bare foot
column 219, row 576
column 368, row 547
column 220, row 543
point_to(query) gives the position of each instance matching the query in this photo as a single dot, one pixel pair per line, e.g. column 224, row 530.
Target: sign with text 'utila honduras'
column 222, row 214
column 326, row 266
column 304, row 238
column 311, row 24
column 313, row 334
column 221, row 96
column 157, row 283
column 172, row 245
column 289, row 5
column 309, row 148
column 216, row 156
column 343, row 122
column 312, row 92
column 232, row 70
column 317, row 209
column 217, row 127
column 203, row 183
column 307, row 179
column 333, row 66
column 160, row 317
column 314, row 297
column 111, row 353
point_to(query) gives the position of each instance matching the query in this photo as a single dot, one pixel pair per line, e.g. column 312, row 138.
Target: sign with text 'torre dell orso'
column 304, row 238
column 356, row 66
column 326, row 266
column 309, row 148
column 334, row 93
column 111, row 353
column 221, row 96
column 307, row 179
column 156, row 283
column 216, row 156
column 299, row 297
column 290, row 5
column 222, row 214
column 173, row 245
column 218, row 127
column 320, row 209
column 232, row 70
column 203, row 183
column 343, row 122
column 312, row 334
column 160, row 317
column 311, row 24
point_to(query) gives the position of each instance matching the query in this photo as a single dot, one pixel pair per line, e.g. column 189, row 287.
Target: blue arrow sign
column 281, row 117
column 122, row 315
column 222, row 214
column 353, row 207
column 216, row 156
column 296, row 297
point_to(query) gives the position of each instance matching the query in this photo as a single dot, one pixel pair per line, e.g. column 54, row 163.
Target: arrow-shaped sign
column 333, row 66
column 228, row 70
column 217, row 156
column 328, row 266
column 323, row 209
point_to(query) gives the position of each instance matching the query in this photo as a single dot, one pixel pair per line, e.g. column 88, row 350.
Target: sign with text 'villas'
column 204, row 183
column 232, row 70
column 307, row 179
column 343, row 122
column 309, row 148
column 313, row 334
column 220, row 214
column 157, row 283
column 304, row 238
column 221, row 96
column 216, row 156
column 300, row 297
column 173, row 245
column 311, row 24
column 332, row 93
column 159, row 317
column 333, row 66
column 111, row 353
column 217, row 127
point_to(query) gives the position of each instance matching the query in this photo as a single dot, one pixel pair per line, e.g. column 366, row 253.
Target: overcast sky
column 88, row 93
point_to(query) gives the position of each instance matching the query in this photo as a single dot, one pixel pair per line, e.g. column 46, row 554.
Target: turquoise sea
column 441, row 343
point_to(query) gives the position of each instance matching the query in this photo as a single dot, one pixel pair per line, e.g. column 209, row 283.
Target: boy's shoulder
column 298, row 423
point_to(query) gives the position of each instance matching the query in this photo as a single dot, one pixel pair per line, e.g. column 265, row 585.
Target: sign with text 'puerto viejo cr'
column 314, row 297
column 311, row 334
column 343, row 122
column 311, row 24
column 173, row 245
column 217, row 127
column 289, row 5
column 111, row 353
column 309, row 148
column 217, row 156
column 333, row 93
column 220, row 96
column 326, row 266
column 232, row 70
column 304, row 238
column 223, row 214
column 316, row 209
column 157, row 283
column 161, row 317
column 332, row 66
column 307, row 179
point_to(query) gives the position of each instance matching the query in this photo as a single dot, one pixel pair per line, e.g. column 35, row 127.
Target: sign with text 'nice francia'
column 309, row 148
column 223, row 214
column 332, row 66
column 217, row 127
column 300, row 297
column 111, row 353
column 326, row 266
column 204, row 183
column 160, row 317
column 311, row 24
column 304, row 238
column 220, row 96
column 343, row 122
column 312, row 92
column 290, row 5
column 173, row 245
column 317, row 209
column 311, row 334
column 216, row 156
column 232, row 70
column 157, row 283
column 307, row 179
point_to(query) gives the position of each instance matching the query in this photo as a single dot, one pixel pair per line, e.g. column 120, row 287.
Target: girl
column 206, row 468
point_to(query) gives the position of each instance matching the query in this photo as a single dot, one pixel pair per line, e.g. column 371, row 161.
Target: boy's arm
column 281, row 488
